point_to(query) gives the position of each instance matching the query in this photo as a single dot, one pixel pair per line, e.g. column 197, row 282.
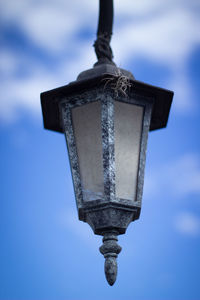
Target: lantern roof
column 50, row 100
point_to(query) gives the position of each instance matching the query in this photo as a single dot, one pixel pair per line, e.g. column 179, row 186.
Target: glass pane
column 128, row 127
column 87, row 130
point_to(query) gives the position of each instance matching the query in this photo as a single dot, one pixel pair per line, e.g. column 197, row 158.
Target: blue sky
column 46, row 253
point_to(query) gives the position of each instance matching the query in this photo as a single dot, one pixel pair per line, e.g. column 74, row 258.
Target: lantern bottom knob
column 110, row 249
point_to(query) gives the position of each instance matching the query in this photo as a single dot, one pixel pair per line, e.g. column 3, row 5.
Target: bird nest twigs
column 119, row 83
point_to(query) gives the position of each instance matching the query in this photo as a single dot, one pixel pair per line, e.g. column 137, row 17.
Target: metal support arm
column 102, row 44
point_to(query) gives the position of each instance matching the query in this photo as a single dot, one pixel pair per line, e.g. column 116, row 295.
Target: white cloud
column 144, row 8
column 167, row 38
column 184, row 101
column 49, row 28
column 180, row 178
column 50, row 24
column 8, row 62
column 23, row 93
column 187, row 224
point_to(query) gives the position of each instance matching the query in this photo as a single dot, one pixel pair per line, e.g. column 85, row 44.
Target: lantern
column 106, row 115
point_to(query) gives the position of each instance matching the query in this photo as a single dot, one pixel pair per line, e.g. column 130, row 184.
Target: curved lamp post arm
column 102, row 44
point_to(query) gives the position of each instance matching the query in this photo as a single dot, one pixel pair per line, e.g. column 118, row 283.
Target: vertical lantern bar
column 149, row 102
column 71, row 146
column 108, row 146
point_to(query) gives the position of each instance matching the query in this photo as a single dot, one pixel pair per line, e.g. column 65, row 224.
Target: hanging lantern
column 106, row 115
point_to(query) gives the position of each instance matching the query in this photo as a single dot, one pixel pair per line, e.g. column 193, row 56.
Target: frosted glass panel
column 87, row 130
column 128, row 127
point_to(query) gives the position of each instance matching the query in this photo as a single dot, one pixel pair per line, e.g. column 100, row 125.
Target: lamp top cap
column 93, row 78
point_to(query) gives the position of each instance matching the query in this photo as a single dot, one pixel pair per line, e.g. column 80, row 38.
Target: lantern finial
column 110, row 249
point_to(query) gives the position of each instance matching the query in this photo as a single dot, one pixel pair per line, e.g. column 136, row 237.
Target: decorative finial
column 110, row 249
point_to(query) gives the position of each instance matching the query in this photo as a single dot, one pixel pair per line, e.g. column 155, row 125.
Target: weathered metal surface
column 110, row 249
column 112, row 216
column 104, row 69
column 108, row 145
